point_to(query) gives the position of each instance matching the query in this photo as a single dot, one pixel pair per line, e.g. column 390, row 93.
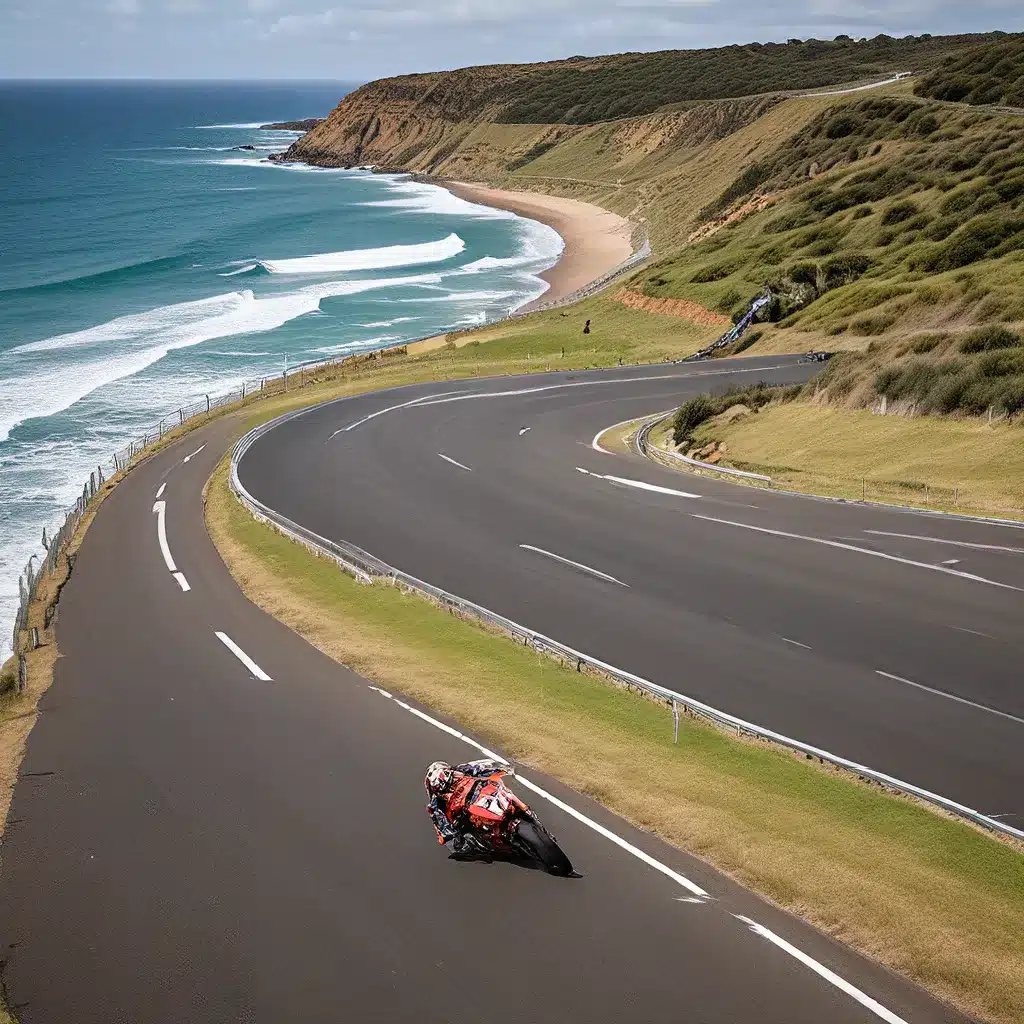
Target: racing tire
column 543, row 847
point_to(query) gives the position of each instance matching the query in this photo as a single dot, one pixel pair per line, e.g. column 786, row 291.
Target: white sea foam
column 250, row 124
column 422, row 198
column 100, row 355
column 368, row 259
column 393, row 323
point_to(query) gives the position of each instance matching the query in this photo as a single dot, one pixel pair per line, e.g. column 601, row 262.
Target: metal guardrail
column 367, row 567
column 644, row 448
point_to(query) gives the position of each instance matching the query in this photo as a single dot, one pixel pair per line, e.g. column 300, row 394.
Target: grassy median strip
column 931, row 897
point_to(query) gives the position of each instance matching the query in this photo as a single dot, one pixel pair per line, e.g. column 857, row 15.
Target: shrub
column 1001, row 364
column 726, row 303
column 842, row 126
column 9, row 678
column 927, row 343
column 988, row 339
column 715, row 272
column 868, row 326
column 898, row 213
column 861, row 212
column 690, row 416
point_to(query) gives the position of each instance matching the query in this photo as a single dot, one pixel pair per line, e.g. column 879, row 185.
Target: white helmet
column 439, row 778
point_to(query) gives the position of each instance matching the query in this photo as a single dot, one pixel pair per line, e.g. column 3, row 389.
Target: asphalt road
column 775, row 608
column 212, row 829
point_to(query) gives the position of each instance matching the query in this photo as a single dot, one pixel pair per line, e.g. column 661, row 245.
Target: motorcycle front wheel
column 535, row 839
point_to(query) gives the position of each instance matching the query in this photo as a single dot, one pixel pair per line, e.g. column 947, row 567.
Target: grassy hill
column 887, row 223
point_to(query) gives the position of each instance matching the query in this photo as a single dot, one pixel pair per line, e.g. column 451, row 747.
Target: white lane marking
column 975, row 632
column 1005, row 814
column 830, row 976
column 160, row 508
column 523, row 431
column 193, row 455
column 461, row 396
column 160, row 489
column 795, row 643
column 454, row 463
column 858, row 550
column 182, row 582
column 390, row 408
column 560, row 804
column 950, row 561
column 242, row 656
column 641, row 485
column 944, row 540
column 950, row 696
column 577, row 565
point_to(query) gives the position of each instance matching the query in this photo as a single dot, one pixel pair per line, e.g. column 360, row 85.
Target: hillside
column 889, row 223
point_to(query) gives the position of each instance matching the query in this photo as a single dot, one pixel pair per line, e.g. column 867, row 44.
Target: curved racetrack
column 231, row 828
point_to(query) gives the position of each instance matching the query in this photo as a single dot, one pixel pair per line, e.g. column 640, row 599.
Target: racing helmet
column 439, row 778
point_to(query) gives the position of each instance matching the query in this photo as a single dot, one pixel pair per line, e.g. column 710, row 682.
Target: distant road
column 215, row 822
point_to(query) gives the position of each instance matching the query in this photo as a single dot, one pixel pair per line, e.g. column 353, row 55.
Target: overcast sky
column 356, row 40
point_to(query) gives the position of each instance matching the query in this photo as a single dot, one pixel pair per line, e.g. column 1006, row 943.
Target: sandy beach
column 595, row 240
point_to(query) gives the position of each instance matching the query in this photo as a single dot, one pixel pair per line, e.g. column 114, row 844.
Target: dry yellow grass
column 968, row 464
column 931, row 897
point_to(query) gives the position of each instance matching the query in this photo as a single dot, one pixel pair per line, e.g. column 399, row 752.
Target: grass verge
column 931, row 897
column 964, row 465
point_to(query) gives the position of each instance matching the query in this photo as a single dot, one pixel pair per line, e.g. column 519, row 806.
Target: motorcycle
column 496, row 821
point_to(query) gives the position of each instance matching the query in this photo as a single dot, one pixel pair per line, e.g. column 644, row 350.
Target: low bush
column 868, row 326
column 714, row 272
column 987, row 339
column 899, row 212
column 927, row 343
column 700, row 409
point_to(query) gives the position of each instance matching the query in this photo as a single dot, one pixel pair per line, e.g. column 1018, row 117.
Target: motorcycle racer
column 450, row 790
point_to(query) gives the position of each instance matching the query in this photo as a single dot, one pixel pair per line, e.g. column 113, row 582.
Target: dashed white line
column 182, row 582
column 641, row 485
column 560, row 804
column 795, row 643
column 160, row 508
column 974, row 632
column 454, row 463
column 242, row 656
column 160, row 490
column 950, row 561
column 944, row 540
column 820, row 969
column 859, row 550
column 576, row 565
column 950, row 696
column 194, row 454
column 523, row 431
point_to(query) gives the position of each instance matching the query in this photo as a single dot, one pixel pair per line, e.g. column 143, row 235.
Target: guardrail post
column 181, row 417
column 46, row 543
column 22, row 673
column 675, row 721
column 92, row 485
column 207, row 403
column 35, row 637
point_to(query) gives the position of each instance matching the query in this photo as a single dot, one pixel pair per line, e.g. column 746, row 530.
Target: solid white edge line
column 641, row 485
column 160, row 489
column 454, row 463
column 577, row 565
column 795, row 643
column 944, row 540
column 390, row 408
column 820, row 969
column 194, row 454
column 950, row 696
column 860, row 551
column 242, row 656
column 560, row 804
column 160, row 508
column 182, row 582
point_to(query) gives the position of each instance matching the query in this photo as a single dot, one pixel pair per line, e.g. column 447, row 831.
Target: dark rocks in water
column 294, row 126
column 251, row 149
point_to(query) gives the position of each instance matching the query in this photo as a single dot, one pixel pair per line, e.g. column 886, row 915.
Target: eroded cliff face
column 450, row 124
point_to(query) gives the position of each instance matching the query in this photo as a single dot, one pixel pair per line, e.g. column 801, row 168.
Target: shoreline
column 596, row 240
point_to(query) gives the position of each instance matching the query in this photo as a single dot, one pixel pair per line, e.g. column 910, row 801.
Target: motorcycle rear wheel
column 543, row 847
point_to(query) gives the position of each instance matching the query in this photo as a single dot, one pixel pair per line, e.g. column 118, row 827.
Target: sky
column 358, row 40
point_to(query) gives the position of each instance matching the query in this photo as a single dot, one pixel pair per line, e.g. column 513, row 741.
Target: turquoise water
column 145, row 260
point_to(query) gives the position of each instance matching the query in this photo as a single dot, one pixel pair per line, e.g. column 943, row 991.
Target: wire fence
column 25, row 638
column 367, row 567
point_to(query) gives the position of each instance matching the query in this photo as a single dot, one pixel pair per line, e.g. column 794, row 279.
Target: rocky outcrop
column 293, row 126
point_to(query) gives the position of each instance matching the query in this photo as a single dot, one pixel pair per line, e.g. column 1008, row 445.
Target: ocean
column 146, row 260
